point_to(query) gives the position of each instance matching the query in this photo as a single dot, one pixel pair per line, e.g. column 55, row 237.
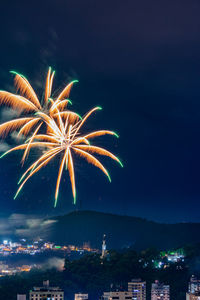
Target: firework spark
column 29, row 106
column 64, row 139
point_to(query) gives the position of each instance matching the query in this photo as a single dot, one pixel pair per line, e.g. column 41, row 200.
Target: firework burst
column 62, row 135
column 65, row 140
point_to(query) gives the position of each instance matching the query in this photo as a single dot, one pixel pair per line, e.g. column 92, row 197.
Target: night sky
column 139, row 60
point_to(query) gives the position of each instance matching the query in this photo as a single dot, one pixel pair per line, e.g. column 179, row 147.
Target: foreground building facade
column 193, row 289
column 46, row 293
column 159, row 291
column 117, row 296
column 81, row 296
column 138, row 289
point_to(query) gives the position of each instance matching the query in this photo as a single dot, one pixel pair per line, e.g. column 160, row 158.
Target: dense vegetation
column 90, row 275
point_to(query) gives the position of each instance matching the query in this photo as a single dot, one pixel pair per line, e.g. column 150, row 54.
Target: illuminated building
column 193, row 296
column 21, row 297
column 86, row 246
column 117, row 296
column 159, row 291
column 24, row 268
column 46, row 292
column 193, row 289
column 48, row 245
column 194, row 285
column 81, row 297
column 138, row 289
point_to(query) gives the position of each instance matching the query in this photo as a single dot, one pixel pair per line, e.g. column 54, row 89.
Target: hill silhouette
column 121, row 231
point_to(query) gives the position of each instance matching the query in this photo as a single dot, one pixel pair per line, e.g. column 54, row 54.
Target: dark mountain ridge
column 121, row 231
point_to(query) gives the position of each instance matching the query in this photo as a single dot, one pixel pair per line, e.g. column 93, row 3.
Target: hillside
column 121, row 231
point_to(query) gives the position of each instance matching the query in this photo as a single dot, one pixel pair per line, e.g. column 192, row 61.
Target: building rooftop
column 46, row 288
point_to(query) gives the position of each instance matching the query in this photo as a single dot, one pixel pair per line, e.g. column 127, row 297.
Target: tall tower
column 103, row 252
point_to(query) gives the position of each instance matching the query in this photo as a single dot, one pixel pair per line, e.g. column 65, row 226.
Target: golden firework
column 30, row 108
column 64, row 139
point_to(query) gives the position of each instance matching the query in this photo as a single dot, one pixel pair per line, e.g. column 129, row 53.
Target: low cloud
column 54, row 262
column 25, row 226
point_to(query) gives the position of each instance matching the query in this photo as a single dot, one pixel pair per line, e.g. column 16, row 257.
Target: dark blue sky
column 138, row 59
